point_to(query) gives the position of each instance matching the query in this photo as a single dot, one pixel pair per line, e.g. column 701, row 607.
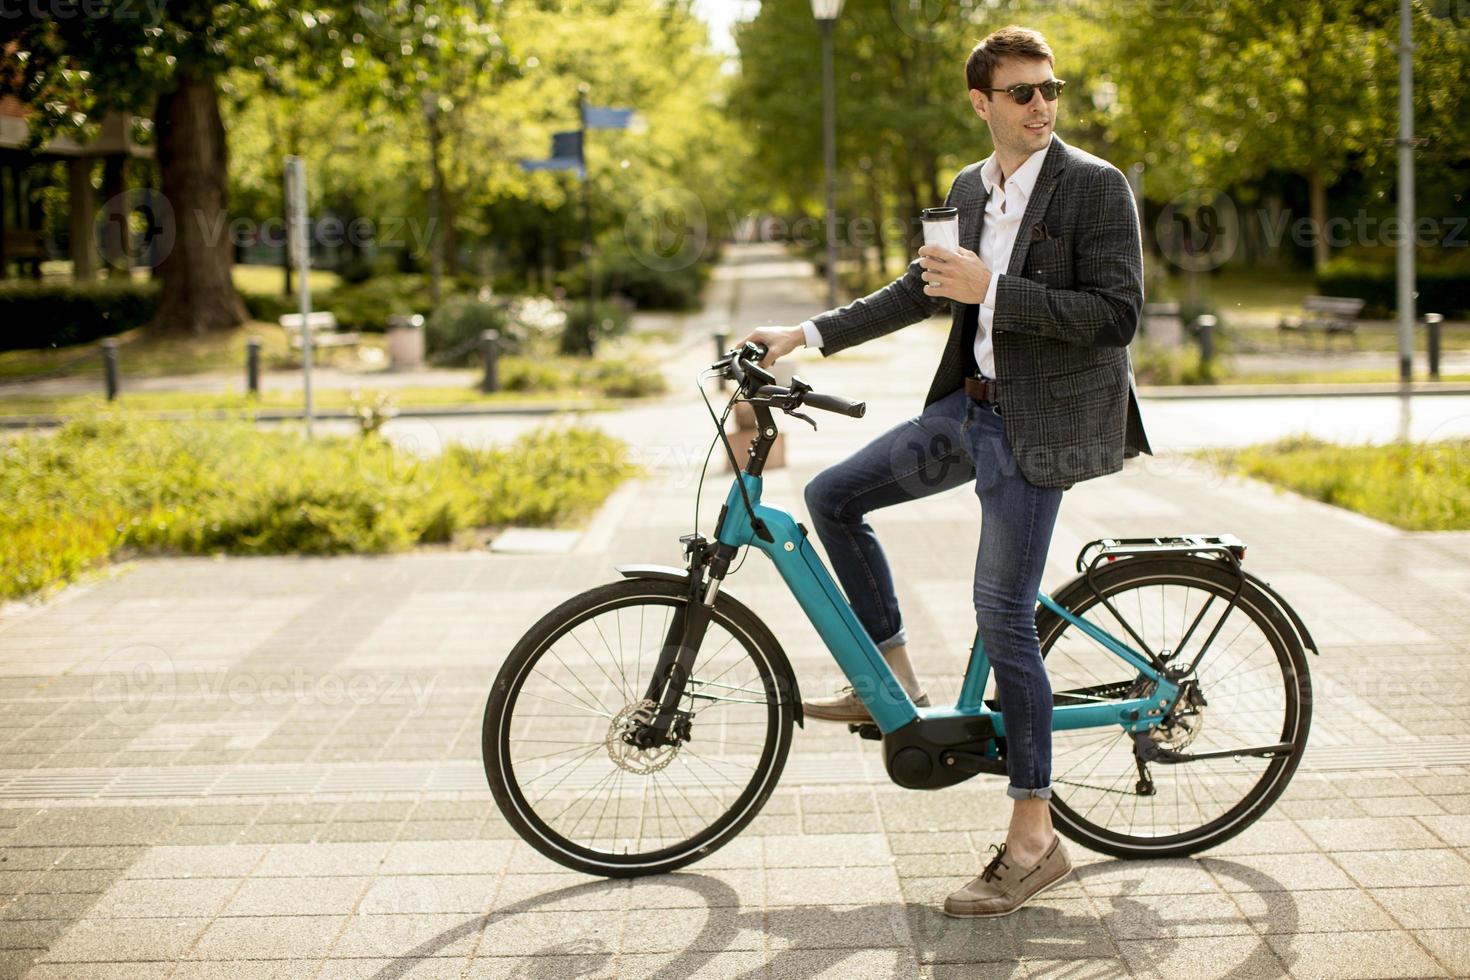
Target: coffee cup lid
column 939, row 214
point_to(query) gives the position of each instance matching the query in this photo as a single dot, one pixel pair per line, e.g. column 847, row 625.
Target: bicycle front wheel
column 1250, row 689
column 566, row 776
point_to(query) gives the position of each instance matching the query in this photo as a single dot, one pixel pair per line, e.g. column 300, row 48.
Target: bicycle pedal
column 866, row 730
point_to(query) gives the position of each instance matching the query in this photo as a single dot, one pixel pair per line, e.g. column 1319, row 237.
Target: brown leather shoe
column 1003, row 887
column 845, row 705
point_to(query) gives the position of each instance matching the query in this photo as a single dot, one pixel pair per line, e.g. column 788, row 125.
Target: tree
column 86, row 58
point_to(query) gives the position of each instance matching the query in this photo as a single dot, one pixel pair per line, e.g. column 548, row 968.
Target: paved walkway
column 270, row 767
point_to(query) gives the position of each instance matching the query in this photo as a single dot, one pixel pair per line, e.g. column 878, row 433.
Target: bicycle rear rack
column 1226, row 546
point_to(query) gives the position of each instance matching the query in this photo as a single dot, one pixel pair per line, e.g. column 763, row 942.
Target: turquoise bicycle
column 642, row 724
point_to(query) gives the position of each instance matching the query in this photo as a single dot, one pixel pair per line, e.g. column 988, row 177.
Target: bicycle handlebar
column 742, row 365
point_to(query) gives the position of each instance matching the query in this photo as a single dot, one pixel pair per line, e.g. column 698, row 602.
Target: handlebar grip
column 835, row 403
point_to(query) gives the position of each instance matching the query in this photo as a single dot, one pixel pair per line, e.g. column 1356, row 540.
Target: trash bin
column 405, row 342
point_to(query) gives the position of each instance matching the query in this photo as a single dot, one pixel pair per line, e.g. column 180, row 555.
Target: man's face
column 1018, row 129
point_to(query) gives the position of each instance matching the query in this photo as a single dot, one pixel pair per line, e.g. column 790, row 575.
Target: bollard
column 1205, row 323
column 252, row 366
column 720, row 339
column 109, row 367
column 1432, row 322
column 490, row 355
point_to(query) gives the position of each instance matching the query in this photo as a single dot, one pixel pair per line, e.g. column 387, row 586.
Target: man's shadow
column 913, row 929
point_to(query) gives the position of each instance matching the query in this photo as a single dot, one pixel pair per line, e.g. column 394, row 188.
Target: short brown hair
column 1008, row 42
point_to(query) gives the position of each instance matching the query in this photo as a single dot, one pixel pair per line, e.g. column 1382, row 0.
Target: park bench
column 1327, row 315
column 324, row 332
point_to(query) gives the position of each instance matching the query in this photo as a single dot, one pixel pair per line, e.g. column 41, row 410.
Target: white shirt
column 1005, row 206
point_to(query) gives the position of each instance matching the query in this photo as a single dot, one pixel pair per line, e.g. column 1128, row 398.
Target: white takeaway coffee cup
column 941, row 227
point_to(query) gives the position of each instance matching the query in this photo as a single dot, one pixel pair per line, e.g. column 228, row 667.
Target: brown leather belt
column 982, row 390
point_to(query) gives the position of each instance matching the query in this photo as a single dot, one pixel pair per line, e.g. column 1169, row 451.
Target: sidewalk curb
column 1370, row 388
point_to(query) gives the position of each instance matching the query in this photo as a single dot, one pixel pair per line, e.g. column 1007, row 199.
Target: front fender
column 780, row 663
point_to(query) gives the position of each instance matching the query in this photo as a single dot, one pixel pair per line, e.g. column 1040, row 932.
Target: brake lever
column 805, row 418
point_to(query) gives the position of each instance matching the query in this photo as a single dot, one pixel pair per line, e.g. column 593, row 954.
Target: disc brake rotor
column 628, row 756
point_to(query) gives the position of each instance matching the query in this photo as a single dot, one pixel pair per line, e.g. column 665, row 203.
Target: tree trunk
column 198, row 294
column 436, row 201
column 1321, row 250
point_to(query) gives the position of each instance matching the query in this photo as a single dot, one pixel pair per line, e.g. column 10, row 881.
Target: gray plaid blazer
column 1065, row 311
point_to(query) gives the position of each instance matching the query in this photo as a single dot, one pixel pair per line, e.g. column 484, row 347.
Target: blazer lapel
column 1046, row 183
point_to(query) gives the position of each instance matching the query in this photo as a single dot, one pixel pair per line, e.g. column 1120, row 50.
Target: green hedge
column 114, row 484
column 37, row 315
column 1444, row 291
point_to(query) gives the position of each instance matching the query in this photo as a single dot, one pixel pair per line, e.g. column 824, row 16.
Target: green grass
column 270, row 279
column 112, row 486
column 1415, row 486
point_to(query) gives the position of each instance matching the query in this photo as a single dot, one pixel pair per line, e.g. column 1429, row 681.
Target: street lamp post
column 826, row 12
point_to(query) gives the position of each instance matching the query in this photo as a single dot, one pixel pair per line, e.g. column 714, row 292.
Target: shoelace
column 990, row 872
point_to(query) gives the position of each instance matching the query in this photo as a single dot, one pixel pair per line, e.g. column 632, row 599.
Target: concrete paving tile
column 71, row 906
column 819, row 801
column 552, row 933
column 292, row 969
column 418, row 936
column 559, row 893
column 37, row 934
column 1316, row 809
column 29, row 859
column 938, row 938
column 1368, row 834
column 1266, row 837
column 1331, row 910
column 297, row 896
column 841, row 964
column 1428, row 908
column 840, row 823
column 597, row 965
column 838, row 926
column 1392, row 869
column 295, row 860
column 694, row 965
column 429, row 968
column 1453, row 829
column 827, row 851
column 802, row 886
column 1400, row 806
column 1171, row 916
column 279, row 937
column 1077, row 969
column 163, row 897
column 18, row 882
column 1354, row 956
column 444, row 857
column 120, row 940
column 701, row 888
column 1172, row 876
column 1239, row 957
column 99, row 971
column 430, row 893
column 1451, row 947
column 936, row 842
column 699, row 930
column 993, row 971
column 198, row 861
column 1276, row 872
column 58, row 882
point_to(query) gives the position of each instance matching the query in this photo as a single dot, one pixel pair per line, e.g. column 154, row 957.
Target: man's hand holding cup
column 950, row 271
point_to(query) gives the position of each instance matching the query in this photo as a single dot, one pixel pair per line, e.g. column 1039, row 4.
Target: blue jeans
column 955, row 441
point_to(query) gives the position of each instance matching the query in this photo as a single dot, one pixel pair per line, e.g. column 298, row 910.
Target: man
column 1033, row 393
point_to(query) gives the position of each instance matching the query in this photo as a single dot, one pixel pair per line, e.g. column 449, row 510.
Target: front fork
column 686, row 632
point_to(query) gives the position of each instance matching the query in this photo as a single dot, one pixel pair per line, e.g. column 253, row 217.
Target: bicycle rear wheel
column 573, row 786
column 1252, row 690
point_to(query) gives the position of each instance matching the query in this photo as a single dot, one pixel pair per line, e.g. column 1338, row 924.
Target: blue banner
column 568, row 144
column 602, row 117
column 555, row 163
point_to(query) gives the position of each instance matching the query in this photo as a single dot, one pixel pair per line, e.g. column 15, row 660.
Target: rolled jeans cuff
column 899, row 639
column 1021, row 793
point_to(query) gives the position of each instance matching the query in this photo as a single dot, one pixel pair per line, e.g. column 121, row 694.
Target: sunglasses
column 1023, row 91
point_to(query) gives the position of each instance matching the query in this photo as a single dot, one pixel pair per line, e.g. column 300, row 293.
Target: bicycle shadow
column 1068, row 927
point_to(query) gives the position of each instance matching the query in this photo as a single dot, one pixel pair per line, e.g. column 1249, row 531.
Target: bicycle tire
column 1116, row 582
column 769, row 666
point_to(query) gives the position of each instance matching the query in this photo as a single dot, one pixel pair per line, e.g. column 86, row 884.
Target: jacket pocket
column 1072, row 385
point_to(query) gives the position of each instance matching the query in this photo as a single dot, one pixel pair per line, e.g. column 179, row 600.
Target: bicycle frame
column 855, row 652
